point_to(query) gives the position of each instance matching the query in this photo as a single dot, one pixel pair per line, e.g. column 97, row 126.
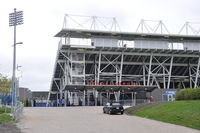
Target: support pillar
column 84, row 67
column 144, row 76
column 61, row 97
column 170, row 71
column 116, row 96
column 197, row 74
column 101, row 100
column 132, row 99
column 83, row 104
column 95, row 97
column 95, row 71
column 65, row 95
column 119, row 95
column 121, row 68
column 88, row 98
column 135, row 98
column 190, row 76
column 183, row 84
column 164, row 83
column 99, row 67
column 150, row 62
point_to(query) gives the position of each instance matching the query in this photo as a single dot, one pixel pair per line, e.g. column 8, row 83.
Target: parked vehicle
column 113, row 108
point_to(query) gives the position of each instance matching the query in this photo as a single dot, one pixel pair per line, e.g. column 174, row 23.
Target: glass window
column 116, row 104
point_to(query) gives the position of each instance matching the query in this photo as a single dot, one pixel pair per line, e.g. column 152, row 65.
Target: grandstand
column 96, row 63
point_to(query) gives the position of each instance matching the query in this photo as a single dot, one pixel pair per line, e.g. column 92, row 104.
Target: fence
column 18, row 109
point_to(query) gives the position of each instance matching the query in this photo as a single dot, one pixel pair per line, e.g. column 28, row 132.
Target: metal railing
column 18, row 109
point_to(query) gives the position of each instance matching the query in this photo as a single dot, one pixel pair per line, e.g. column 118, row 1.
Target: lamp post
column 18, row 76
column 15, row 18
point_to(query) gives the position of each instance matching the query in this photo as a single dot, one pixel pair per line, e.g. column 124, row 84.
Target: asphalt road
column 90, row 120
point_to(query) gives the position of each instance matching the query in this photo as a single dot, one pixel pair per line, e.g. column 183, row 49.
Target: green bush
column 188, row 94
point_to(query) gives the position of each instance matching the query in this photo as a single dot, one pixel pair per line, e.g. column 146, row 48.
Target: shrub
column 188, row 94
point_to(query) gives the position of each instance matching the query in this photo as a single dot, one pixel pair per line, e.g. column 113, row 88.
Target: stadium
column 98, row 62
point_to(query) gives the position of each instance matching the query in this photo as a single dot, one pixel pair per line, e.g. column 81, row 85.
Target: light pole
column 18, row 76
column 15, row 18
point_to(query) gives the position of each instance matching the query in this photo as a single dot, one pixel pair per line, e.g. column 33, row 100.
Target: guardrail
column 18, row 109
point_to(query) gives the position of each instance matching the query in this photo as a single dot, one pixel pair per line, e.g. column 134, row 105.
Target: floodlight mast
column 15, row 18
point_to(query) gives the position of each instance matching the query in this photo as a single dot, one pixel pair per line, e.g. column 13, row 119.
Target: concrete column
column 88, row 98
column 65, row 95
column 83, row 104
column 135, row 98
column 95, row 97
column 119, row 95
column 132, row 98
column 101, row 100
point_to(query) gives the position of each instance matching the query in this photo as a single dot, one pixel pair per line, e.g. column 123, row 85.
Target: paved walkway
column 90, row 120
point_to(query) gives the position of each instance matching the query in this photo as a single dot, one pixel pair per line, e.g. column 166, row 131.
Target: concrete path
column 90, row 120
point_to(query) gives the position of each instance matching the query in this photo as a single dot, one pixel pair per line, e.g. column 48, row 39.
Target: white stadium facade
column 99, row 63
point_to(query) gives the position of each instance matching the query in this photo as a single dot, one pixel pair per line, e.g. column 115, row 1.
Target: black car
column 113, row 108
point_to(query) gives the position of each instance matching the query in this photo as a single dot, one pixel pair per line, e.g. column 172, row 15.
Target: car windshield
column 116, row 104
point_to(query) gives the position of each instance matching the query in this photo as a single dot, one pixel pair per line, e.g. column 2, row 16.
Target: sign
column 74, row 90
column 170, row 92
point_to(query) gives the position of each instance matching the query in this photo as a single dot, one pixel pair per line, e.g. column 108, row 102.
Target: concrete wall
column 25, row 93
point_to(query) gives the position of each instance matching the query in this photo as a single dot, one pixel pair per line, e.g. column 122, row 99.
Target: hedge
column 188, row 94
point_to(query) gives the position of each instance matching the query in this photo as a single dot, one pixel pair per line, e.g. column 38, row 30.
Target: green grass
column 5, row 117
column 2, row 110
column 185, row 113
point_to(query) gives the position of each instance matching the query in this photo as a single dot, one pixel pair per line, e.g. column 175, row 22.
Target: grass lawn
column 5, row 117
column 2, row 110
column 185, row 113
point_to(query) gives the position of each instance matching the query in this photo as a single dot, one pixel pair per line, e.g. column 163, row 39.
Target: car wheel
column 104, row 111
column 122, row 113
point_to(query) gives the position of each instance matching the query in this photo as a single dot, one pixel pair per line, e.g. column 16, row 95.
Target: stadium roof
column 80, row 33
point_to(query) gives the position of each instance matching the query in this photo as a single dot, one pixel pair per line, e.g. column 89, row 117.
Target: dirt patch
column 9, row 128
column 131, row 110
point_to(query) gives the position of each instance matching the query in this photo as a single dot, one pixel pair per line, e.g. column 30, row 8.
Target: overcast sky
column 44, row 18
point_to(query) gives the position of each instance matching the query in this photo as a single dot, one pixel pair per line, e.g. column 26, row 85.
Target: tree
column 5, row 85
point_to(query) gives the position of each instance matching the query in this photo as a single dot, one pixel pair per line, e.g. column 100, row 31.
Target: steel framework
column 98, row 61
